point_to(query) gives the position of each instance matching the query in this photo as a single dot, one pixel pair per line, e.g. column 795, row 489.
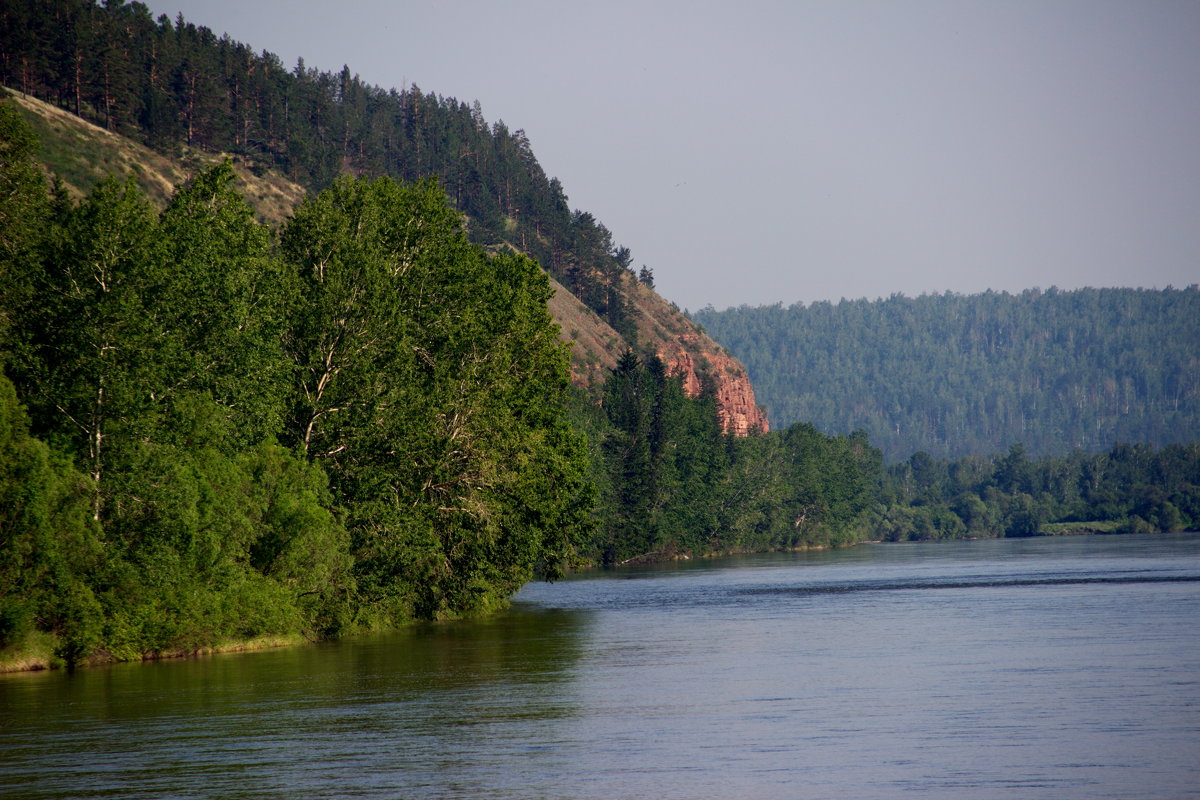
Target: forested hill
column 958, row 374
column 169, row 83
column 178, row 87
column 217, row 430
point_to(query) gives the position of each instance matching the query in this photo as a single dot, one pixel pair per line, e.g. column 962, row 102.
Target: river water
column 1037, row 668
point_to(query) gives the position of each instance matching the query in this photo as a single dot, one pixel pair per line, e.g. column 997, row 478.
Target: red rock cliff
column 663, row 330
column 740, row 415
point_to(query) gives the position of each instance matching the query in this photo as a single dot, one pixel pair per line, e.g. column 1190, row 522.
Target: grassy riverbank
column 1084, row 528
column 40, row 651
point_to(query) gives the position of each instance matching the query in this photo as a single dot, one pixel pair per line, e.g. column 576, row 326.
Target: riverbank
column 1094, row 527
column 40, row 651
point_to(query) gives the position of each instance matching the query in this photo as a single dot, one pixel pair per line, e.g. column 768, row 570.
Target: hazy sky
column 762, row 152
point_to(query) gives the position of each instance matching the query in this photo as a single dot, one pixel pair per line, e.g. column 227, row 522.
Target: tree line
column 170, row 83
column 953, row 375
column 1131, row 488
column 211, row 432
column 670, row 483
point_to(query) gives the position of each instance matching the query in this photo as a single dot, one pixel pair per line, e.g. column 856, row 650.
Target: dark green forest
column 209, row 431
column 954, row 375
column 1131, row 488
column 672, row 483
column 169, row 83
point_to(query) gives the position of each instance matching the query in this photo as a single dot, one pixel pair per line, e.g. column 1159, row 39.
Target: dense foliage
column 173, row 83
column 1130, row 488
column 672, row 482
column 229, row 434
column 953, row 375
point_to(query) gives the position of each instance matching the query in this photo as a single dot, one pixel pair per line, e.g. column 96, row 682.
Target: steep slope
column 81, row 154
column 595, row 346
column 691, row 354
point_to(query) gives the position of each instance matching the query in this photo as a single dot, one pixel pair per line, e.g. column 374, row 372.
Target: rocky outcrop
column 740, row 415
column 664, row 331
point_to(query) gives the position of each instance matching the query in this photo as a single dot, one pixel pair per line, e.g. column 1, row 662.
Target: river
column 1038, row 668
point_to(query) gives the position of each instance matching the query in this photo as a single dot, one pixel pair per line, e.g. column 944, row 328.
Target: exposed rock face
column 740, row 415
column 663, row 330
column 689, row 353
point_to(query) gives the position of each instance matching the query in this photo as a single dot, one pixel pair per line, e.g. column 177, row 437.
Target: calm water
column 1047, row 668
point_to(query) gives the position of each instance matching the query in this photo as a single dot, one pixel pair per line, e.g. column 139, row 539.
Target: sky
column 789, row 152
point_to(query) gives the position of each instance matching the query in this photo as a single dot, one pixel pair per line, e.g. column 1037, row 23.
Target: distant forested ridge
column 953, row 375
column 169, row 83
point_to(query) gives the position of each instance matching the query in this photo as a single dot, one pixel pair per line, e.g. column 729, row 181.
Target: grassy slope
column 81, row 154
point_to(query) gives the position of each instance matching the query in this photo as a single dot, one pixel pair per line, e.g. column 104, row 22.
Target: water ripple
column 972, row 583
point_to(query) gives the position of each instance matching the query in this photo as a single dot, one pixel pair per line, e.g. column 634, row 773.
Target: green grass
column 1074, row 528
column 36, row 652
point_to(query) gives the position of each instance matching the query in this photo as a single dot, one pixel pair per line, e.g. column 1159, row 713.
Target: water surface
column 1064, row 667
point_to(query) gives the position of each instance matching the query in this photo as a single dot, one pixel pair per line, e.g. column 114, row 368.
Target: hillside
column 954, row 375
column 80, row 154
column 182, row 91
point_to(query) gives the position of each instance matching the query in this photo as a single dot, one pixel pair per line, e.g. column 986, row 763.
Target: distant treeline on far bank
column 953, row 374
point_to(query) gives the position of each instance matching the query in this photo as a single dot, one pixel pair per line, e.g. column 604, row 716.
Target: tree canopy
column 228, row 434
column 170, row 83
column 959, row 374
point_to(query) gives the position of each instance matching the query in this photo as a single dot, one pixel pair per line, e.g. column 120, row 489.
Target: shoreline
column 41, row 658
column 39, row 654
